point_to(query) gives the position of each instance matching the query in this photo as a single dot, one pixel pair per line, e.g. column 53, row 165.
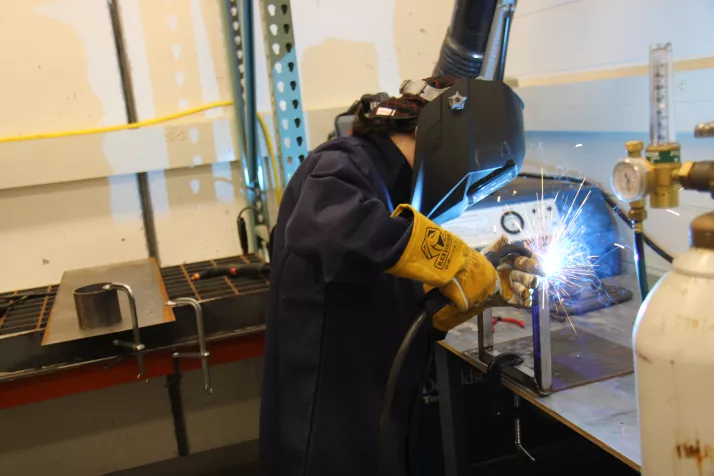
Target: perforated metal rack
column 285, row 85
column 288, row 117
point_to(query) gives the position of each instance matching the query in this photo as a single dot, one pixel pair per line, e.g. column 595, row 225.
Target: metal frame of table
column 604, row 412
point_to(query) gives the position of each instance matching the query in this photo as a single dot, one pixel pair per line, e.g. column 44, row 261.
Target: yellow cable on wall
column 269, row 146
column 152, row 122
column 120, row 127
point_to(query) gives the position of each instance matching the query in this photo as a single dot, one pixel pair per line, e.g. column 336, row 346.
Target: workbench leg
column 451, row 409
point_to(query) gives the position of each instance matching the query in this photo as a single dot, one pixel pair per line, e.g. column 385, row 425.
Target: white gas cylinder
column 673, row 342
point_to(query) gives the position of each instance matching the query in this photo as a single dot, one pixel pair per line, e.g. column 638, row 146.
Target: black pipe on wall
column 462, row 51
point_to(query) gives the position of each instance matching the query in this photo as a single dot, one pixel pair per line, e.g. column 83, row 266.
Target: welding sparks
column 558, row 242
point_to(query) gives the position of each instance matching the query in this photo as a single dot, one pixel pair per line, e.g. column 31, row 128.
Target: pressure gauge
column 630, row 178
column 512, row 222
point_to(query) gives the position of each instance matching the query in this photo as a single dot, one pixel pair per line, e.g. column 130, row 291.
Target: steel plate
column 143, row 276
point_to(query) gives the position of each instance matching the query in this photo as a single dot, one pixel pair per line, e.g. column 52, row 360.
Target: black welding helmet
column 470, row 142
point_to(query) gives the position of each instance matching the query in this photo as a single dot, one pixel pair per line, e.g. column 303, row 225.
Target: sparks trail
column 558, row 241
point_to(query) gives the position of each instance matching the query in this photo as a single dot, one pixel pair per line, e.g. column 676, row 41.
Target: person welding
column 352, row 258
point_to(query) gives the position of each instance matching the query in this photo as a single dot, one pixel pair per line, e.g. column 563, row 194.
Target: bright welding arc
column 559, row 244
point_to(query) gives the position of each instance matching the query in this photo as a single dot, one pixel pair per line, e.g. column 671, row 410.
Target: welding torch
column 249, row 270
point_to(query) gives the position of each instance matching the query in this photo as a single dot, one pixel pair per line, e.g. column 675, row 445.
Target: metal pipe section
column 203, row 352
column 135, row 346
column 494, row 57
column 541, row 337
column 232, row 36
column 147, row 208
column 463, row 48
column 96, row 306
column 250, row 113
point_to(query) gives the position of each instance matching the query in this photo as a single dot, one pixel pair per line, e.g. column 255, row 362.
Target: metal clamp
column 517, row 427
column 202, row 351
column 136, row 346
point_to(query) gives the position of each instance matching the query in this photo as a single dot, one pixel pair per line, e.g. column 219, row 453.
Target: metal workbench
column 604, row 412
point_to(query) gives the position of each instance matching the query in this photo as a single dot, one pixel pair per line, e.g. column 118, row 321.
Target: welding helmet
column 470, row 142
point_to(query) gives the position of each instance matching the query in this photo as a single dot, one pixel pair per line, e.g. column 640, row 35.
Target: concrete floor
column 234, row 460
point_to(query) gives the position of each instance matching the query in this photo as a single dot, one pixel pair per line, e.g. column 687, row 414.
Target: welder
column 351, row 261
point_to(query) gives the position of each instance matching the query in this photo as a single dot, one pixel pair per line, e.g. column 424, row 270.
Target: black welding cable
column 612, row 203
column 639, row 240
column 386, row 411
column 648, row 241
column 433, row 301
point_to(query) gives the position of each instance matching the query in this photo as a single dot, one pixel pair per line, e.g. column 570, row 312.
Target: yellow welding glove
column 440, row 259
column 517, row 277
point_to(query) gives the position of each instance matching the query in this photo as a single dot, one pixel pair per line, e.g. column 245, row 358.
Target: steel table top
column 605, row 412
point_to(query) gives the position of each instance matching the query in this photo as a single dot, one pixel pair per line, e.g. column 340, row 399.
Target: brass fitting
column 634, row 148
column 665, row 160
column 638, row 212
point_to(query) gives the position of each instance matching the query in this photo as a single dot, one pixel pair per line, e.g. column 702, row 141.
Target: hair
column 363, row 126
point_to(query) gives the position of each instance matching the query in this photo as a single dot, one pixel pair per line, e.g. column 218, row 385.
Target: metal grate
column 28, row 315
column 178, row 283
column 32, row 314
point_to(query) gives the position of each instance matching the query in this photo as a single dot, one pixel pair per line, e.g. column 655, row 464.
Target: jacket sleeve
column 340, row 220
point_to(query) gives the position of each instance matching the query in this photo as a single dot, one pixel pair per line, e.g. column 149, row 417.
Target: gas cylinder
column 673, row 342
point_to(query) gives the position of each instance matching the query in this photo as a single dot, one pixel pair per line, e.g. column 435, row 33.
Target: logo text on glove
column 437, row 245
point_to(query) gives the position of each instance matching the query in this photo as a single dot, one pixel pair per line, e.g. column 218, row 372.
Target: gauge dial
column 512, row 222
column 629, row 179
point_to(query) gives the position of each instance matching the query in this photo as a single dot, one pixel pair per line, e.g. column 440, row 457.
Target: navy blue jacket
column 335, row 319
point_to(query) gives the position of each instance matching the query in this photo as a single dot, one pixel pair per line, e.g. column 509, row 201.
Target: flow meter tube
column 661, row 97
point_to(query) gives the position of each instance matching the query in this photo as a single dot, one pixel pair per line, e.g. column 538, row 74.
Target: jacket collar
column 393, row 168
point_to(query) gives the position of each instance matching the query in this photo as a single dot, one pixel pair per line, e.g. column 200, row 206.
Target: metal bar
column 147, row 209
column 517, row 427
column 239, row 46
column 234, row 48
column 451, row 410
column 249, row 76
column 485, row 331
column 254, row 188
column 492, row 68
column 173, row 384
column 507, row 21
column 542, row 358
